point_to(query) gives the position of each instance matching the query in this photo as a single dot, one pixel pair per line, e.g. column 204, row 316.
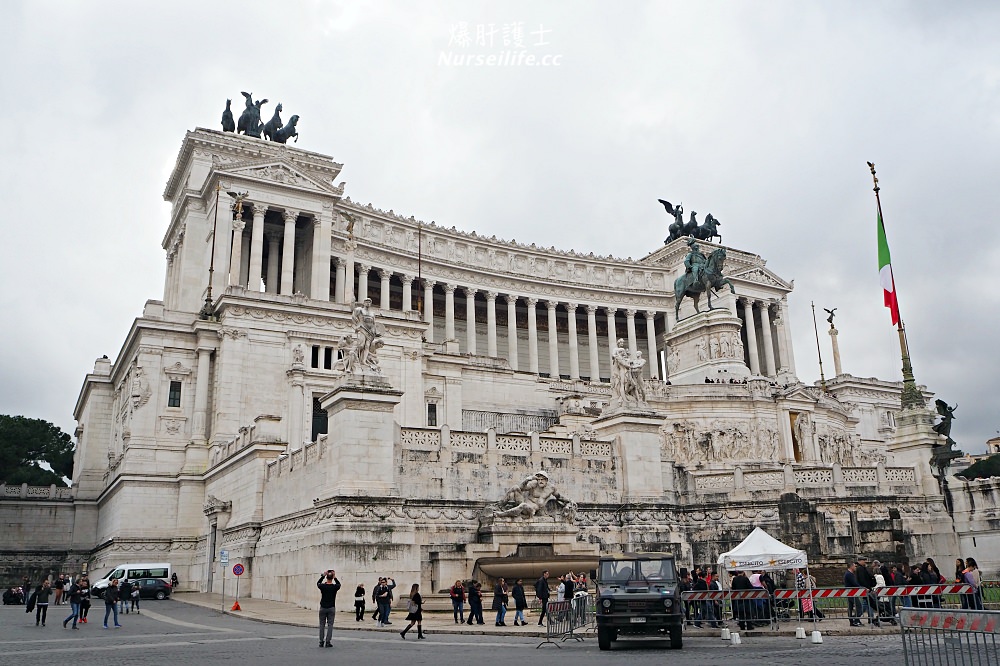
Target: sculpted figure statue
column 274, row 124
column 228, row 124
column 943, row 428
column 368, row 337
column 702, row 275
column 288, row 131
column 249, row 122
column 532, row 496
column 677, row 226
column 627, row 388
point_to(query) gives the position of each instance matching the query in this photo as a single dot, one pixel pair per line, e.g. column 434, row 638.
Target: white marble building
column 236, row 431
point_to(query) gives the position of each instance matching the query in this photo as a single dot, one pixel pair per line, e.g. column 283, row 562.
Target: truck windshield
column 648, row 569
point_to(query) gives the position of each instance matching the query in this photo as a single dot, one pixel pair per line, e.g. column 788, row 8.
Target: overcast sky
column 761, row 113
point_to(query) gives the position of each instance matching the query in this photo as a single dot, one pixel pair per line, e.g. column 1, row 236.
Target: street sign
column 237, row 569
column 224, row 556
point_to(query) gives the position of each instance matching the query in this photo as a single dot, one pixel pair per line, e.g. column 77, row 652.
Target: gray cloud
column 762, row 114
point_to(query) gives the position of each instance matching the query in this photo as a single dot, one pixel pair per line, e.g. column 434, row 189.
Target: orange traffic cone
column 236, row 606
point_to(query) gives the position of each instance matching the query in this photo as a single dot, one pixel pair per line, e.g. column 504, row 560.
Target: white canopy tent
column 762, row 552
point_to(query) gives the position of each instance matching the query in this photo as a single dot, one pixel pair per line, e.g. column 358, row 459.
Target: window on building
column 320, row 419
column 328, row 358
column 174, row 396
column 314, row 361
column 432, row 415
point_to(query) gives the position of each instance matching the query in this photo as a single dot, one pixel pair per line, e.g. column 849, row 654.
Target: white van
column 132, row 571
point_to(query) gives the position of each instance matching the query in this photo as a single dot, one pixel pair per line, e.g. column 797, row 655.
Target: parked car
column 152, row 588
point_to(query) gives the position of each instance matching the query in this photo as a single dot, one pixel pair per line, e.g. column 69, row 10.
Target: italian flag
column 885, row 273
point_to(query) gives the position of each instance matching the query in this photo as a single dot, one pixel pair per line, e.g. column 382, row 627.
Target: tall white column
column 449, row 312
column 320, row 288
column 491, row 323
column 532, row 336
column 429, row 308
column 630, row 326
column 595, row 359
column 470, row 320
column 751, row 328
column 553, row 341
column 574, row 351
column 779, row 328
column 256, row 248
column 199, row 430
column 363, row 271
column 340, row 293
column 512, row 330
column 273, row 243
column 383, row 297
column 786, row 330
column 245, row 260
column 288, row 253
column 407, row 292
column 653, row 360
column 765, row 324
column 236, row 260
column 350, row 246
column 612, row 335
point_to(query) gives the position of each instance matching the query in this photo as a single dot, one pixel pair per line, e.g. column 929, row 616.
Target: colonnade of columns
column 768, row 343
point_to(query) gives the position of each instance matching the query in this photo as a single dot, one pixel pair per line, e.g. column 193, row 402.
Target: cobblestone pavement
column 175, row 632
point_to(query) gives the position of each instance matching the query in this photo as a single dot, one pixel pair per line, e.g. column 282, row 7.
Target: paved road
column 169, row 632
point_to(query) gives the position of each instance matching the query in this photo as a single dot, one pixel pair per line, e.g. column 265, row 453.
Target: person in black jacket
column 741, row 607
column 328, row 586
column 520, row 602
column 867, row 581
column 74, row 604
column 414, row 612
column 359, row 602
column 542, row 592
column 111, row 602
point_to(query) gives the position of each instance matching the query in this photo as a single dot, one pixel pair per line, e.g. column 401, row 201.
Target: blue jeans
column 458, row 609
column 383, row 611
column 501, row 614
column 108, row 608
column 75, row 607
column 519, row 615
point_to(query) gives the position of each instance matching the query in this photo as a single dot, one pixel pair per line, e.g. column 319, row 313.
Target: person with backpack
column 414, row 612
column 111, row 596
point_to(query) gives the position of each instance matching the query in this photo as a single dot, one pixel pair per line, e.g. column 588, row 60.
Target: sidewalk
column 278, row 612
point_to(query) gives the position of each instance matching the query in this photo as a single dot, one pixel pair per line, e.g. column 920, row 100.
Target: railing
column 25, row 492
column 562, row 618
column 945, row 637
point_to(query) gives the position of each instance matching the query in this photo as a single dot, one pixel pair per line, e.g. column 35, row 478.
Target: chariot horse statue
column 702, row 278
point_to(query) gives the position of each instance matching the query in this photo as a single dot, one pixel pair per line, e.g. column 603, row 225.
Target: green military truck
column 638, row 595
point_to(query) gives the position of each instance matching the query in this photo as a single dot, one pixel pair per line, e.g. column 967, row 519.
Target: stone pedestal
column 706, row 346
column 637, row 437
column 913, row 445
column 361, row 430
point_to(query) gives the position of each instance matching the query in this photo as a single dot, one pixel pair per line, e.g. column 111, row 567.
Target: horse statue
column 288, row 131
column 274, row 124
column 709, row 230
column 691, row 227
column 228, row 124
column 709, row 279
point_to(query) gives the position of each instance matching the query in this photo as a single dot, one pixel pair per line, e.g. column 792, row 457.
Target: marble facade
column 241, row 431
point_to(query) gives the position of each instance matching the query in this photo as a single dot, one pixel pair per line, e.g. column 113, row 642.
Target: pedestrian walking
column 174, row 582
column 383, row 597
column 135, row 597
column 476, row 603
column 542, row 594
column 520, row 602
column 58, row 586
column 328, row 586
column 111, row 602
column 974, row 578
column 84, row 599
column 457, row 594
column 359, row 602
column 500, row 601
column 414, row 612
column 74, row 604
column 42, row 595
column 124, row 595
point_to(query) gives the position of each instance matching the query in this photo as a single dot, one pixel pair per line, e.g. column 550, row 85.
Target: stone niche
column 704, row 346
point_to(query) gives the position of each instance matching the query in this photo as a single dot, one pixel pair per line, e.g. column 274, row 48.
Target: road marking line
column 180, row 623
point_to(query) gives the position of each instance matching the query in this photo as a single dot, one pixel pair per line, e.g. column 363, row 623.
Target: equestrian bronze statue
column 703, row 275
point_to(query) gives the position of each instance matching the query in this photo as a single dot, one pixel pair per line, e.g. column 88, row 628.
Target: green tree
column 24, row 443
column 982, row 469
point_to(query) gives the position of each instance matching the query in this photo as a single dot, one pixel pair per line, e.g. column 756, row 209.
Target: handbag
column 412, row 607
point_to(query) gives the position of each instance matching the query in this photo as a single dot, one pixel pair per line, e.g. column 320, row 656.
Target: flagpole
column 911, row 396
column 822, row 380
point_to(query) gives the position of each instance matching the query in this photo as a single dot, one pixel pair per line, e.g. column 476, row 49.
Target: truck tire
column 676, row 638
column 604, row 637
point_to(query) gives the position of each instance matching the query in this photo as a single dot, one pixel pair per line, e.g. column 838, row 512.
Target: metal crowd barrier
column 946, row 637
column 563, row 618
column 744, row 607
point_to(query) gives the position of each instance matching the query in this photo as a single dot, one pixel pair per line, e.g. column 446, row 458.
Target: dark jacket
column 851, row 580
column 542, row 588
column 520, row 602
column 475, row 598
column 111, row 595
column 742, row 583
column 359, row 597
column 457, row 592
column 328, row 592
column 499, row 597
column 700, row 585
column 74, row 594
column 865, row 577
column 42, row 594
